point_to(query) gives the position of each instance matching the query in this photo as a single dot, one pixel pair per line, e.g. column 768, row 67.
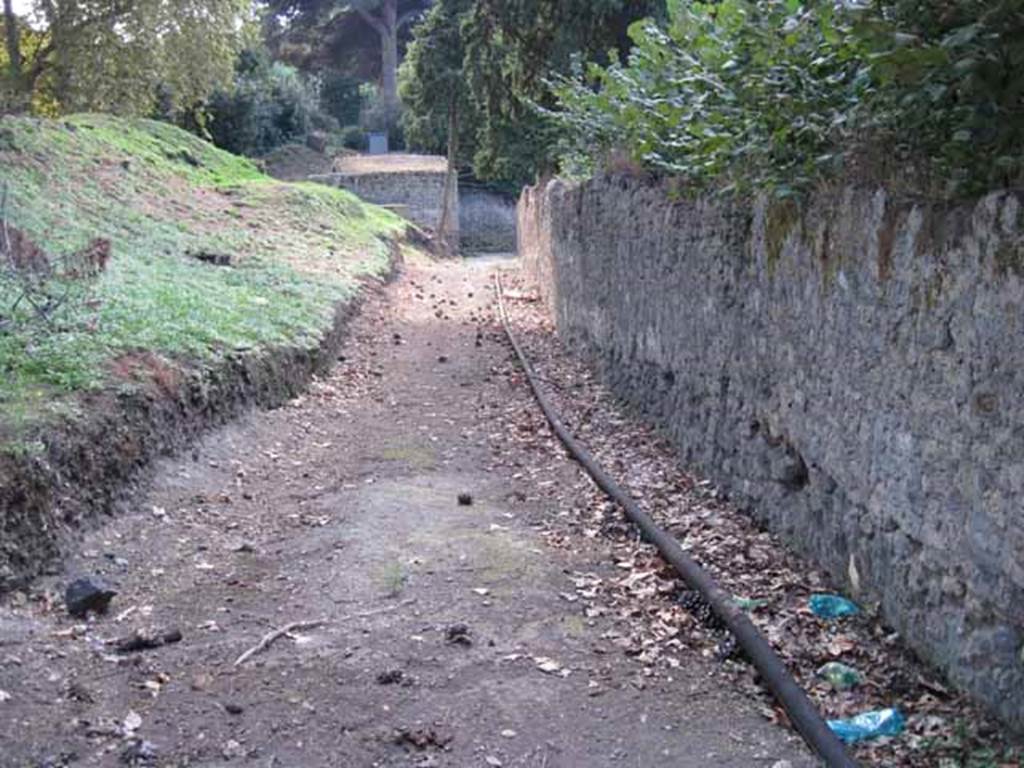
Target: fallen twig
column 126, row 613
column 376, row 611
column 269, row 638
column 519, row 296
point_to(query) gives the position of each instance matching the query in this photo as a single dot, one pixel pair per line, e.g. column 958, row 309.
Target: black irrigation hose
column 791, row 696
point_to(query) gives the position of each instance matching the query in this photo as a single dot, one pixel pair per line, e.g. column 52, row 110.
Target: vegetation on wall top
column 776, row 94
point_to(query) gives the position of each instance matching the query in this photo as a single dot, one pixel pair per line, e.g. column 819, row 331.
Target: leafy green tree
column 514, row 47
column 21, row 60
column 433, row 70
column 112, row 55
column 12, row 41
column 434, row 84
column 508, row 49
column 268, row 105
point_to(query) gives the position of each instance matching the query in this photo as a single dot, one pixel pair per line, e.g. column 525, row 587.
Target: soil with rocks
column 379, row 573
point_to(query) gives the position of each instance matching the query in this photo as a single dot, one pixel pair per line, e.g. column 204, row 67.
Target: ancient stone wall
column 413, row 186
column 851, row 370
column 417, row 195
column 487, row 221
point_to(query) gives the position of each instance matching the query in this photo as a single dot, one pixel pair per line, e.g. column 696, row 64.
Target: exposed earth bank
column 92, row 466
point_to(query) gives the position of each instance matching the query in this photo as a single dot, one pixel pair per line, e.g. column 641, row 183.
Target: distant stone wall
column 487, row 221
column 417, row 195
column 852, row 372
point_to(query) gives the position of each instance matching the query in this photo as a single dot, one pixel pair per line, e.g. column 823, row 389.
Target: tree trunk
column 448, row 228
column 389, row 55
column 385, row 23
column 13, row 44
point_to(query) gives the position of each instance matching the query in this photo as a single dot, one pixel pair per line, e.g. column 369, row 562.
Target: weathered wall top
column 357, row 165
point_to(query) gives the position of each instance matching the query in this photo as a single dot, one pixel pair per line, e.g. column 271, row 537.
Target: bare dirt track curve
column 453, row 634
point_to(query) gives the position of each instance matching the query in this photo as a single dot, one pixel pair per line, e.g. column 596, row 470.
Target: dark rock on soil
column 458, row 634
column 61, row 760
column 90, row 593
column 422, row 738
column 138, row 752
column 208, row 257
column 390, row 677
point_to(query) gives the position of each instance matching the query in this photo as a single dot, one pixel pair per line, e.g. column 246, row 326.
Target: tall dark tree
column 507, row 49
column 434, row 69
column 13, row 42
column 329, row 32
column 384, row 18
column 434, row 83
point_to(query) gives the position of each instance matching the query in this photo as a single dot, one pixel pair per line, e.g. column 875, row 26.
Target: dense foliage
column 340, row 96
column 270, row 104
column 114, row 56
column 776, row 93
column 433, row 82
column 496, row 56
column 953, row 93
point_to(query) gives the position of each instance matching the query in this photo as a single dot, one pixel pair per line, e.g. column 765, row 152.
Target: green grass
column 393, row 579
column 158, row 193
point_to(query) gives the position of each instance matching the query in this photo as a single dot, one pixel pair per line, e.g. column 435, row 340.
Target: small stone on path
column 458, row 634
column 89, row 593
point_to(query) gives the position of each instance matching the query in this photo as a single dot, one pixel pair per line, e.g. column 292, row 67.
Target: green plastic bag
column 840, row 675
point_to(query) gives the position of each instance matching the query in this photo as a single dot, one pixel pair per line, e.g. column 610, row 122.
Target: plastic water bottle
column 869, row 725
column 832, row 606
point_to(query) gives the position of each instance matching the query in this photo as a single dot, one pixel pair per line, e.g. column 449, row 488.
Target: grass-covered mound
column 171, row 210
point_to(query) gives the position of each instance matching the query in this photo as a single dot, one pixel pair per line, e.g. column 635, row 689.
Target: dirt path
column 343, row 507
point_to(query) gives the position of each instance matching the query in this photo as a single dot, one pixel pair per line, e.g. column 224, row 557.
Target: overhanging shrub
column 748, row 94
